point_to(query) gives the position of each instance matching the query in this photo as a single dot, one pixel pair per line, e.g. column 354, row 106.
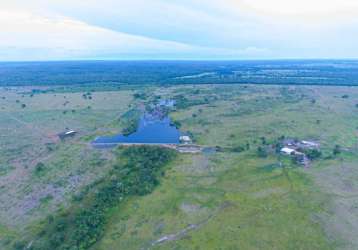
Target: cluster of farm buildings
column 297, row 148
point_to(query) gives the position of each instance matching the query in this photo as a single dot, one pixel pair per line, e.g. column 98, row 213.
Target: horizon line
column 178, row 60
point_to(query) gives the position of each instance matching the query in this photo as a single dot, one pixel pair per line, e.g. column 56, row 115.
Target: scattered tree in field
column 261, row 152
column 23, row 105
column 278, row 147
column 238, row 149
column 345, row 96
column 337, row 150
column 140, row 96
column 39, row 168
column 263, row 140
column 87, row 95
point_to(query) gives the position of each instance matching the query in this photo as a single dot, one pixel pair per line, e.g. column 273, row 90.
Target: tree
column 263, row 140
column 261, row 152
column 337, row 150
column 238, row 149
column 278, row 147
column 39, row 167
column 313, row 154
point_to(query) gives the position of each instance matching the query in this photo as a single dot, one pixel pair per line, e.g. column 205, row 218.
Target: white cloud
column 26, row 36
column 293, row 7
column 235, row 29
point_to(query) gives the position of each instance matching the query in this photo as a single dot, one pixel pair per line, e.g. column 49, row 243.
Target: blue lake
column 150, row 131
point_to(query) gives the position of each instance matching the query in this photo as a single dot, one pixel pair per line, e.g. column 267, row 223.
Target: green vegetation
column 83, row 225
column 130, row 121
column 261, row 152
column 313, row 153
column 182, row 102
column 337, row 150
column 115, row 74
column 240, row 193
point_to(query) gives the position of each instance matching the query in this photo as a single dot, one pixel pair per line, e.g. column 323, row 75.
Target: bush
column 313, row 154
column 337, row 150
column 261, row 152
column 39, row 168
column 238, row 149
column 177, row 124
column 19, row 245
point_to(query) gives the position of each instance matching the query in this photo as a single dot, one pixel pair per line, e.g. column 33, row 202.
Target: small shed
column 185, row 139
column 66, row 134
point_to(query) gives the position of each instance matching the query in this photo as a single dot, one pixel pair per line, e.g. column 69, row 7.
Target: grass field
column 222, row 200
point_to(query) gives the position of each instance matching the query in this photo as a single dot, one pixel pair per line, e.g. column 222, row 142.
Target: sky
column 177, row 29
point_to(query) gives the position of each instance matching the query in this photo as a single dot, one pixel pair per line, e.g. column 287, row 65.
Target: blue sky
column 186, row 29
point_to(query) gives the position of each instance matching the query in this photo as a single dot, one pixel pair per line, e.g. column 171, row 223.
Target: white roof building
column 185, row 138
column 288, row 151
column 310, row 143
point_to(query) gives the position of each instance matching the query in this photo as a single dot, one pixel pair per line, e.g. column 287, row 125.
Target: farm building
column 310, row 144
column 185, row 139
column 288, row 151
column 66, row 134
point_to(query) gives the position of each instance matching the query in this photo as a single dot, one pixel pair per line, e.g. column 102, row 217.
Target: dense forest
column 314, row 72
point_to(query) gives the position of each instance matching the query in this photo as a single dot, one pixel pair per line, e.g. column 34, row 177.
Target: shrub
column 261, row 152
column 313, row 154
column 337, row 150
column 40, row 167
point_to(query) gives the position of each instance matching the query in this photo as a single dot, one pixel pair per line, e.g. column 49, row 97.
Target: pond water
column 151, row 130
